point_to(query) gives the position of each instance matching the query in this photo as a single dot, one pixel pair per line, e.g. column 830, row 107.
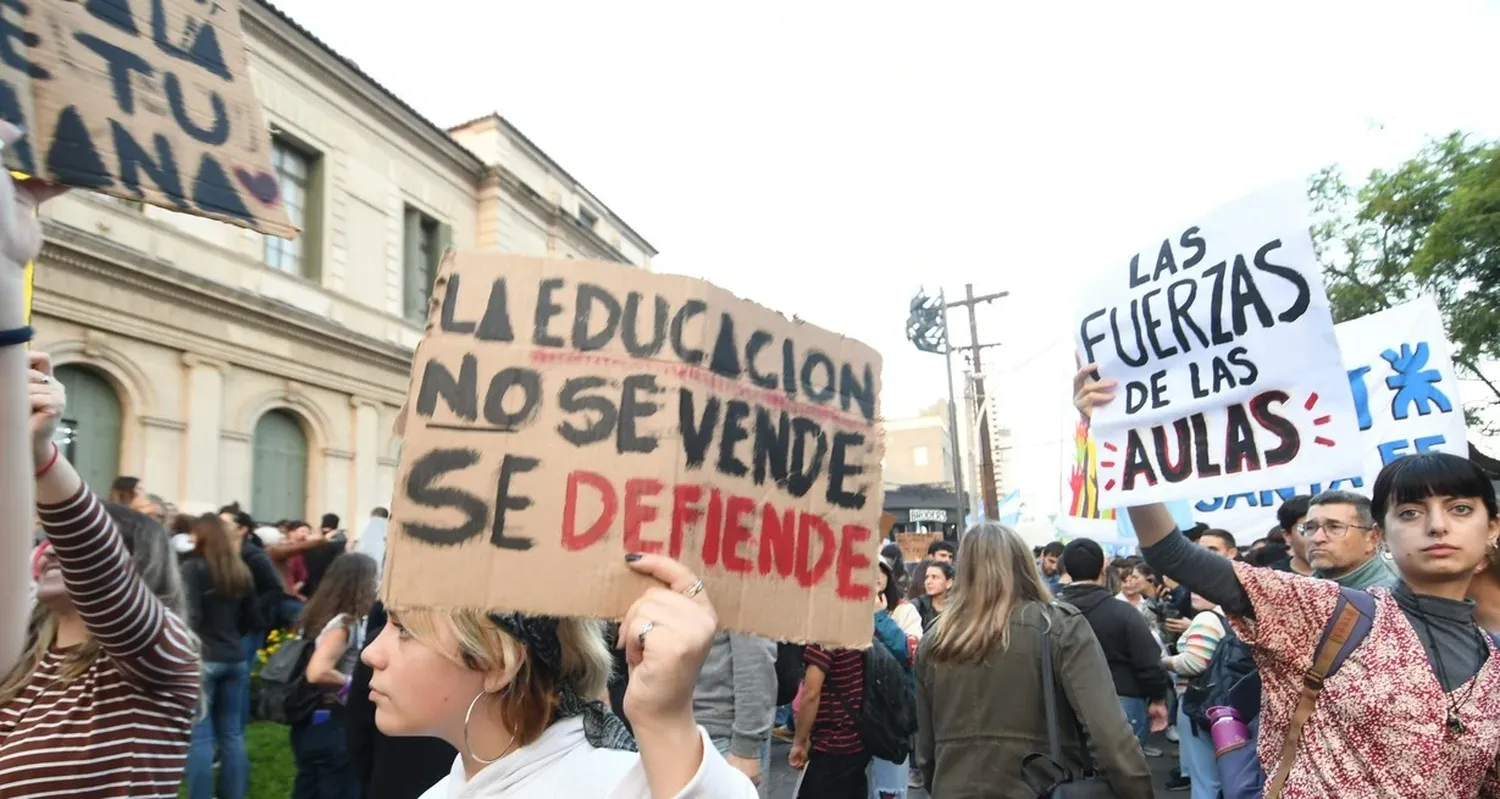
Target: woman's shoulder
column 590, row 771
column 341, row 621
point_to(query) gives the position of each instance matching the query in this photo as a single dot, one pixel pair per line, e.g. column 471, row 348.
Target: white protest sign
column 1221, row 339
column 1406, row 399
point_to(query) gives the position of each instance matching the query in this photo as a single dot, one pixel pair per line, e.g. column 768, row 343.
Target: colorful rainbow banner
column 1083, row 479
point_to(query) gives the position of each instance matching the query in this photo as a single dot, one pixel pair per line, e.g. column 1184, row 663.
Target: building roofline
column 443, row 138
column 547, row 159
column 418, row 124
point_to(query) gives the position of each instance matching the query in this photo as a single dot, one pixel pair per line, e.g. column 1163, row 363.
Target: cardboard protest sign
column 914, row 545
column 145, row 100
column 1222, row 342
column 565, row 413
column 1406, row 400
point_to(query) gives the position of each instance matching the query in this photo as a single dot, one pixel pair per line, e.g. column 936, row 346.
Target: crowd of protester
column 1363, row 625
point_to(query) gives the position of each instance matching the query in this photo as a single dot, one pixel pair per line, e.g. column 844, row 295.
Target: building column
column 365, row 486
column 236, row 456
column 337, row 470
column 162, row 467
column 200, row 454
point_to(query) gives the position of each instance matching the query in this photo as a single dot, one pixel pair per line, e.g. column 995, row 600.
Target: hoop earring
column 468, row 747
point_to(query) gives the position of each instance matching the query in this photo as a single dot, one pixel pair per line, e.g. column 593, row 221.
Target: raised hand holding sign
column 564, row 413
column 1221, row 340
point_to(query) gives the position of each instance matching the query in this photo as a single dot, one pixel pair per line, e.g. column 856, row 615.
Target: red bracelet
column 50, row 462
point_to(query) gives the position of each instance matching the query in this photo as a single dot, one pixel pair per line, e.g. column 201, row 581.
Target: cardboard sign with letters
column 565, row 413
column 145, row 100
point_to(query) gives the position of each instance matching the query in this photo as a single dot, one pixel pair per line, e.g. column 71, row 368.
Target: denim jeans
column 221, row 728
column 1198, row 761
column 1135, row 713
column 251, row 643
column 320, row 746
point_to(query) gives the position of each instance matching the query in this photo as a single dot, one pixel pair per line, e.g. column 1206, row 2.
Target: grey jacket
column 735, row 698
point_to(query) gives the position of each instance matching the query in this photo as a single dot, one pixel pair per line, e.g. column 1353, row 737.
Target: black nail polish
column 632, row 557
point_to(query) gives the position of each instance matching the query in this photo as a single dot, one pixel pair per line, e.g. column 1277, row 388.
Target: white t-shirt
column 356, row 630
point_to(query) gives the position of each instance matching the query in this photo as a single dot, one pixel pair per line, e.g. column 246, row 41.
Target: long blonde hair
column 996, row 577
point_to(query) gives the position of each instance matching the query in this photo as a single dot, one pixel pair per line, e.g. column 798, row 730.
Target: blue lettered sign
column 1405, row 395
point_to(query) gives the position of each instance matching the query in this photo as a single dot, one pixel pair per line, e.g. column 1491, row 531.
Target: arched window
column 278, row 477
column 89, row 435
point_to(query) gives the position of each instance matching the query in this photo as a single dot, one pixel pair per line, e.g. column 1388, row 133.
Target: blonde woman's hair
column 996, row 577
column 528, row 699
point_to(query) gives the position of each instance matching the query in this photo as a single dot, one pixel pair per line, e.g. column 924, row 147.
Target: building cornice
column 269, row 24
column 540, row 155
column 554, row 214
column 79, row 251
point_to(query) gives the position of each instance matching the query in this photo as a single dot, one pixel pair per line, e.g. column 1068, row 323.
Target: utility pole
column 986, row 457
column 927, row 328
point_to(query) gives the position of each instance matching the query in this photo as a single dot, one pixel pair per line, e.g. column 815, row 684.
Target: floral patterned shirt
column 1380, row 727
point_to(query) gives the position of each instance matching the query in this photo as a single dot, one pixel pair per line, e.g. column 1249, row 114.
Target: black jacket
column 268, row 589
column 220, row 622
column 317, row 560
column 926, row 612
column 387, row 767
column 1133, row 654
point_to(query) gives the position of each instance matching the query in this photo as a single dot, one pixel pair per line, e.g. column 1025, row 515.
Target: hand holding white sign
column 1221, row 340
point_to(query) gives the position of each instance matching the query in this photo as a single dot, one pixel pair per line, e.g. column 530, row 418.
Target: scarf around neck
column 601, row 727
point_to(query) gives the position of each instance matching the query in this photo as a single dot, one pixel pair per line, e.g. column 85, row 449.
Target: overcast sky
column 828, row 158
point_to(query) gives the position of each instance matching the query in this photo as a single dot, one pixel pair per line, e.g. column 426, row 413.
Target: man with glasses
column 1343, row 543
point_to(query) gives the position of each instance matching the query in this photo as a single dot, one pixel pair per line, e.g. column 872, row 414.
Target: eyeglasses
column 1333, row 529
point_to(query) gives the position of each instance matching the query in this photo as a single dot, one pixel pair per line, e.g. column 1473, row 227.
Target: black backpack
column 788, row 671
column 1231, row 662
column 888, row 716
column 286, row 697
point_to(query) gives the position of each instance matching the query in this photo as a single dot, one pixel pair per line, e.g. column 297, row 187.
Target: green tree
column 1429, row 226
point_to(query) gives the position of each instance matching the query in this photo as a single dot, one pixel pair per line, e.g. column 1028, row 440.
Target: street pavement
column 783, row 782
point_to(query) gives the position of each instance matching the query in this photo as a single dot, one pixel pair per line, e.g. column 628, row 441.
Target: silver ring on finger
column 645, row 628
column 693, row 590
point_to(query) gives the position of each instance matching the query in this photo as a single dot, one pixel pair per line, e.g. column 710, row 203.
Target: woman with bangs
column 516, row 695
column 1414, row 711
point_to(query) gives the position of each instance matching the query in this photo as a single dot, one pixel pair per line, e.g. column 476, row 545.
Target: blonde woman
column 514, row 694
column 971, row 738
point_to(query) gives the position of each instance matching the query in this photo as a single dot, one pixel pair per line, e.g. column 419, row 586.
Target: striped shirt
column 122, row 727
column 841, row 700
column 1196, row 646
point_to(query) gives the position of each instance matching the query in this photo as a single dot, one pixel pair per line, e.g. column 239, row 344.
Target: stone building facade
column 219, row 365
